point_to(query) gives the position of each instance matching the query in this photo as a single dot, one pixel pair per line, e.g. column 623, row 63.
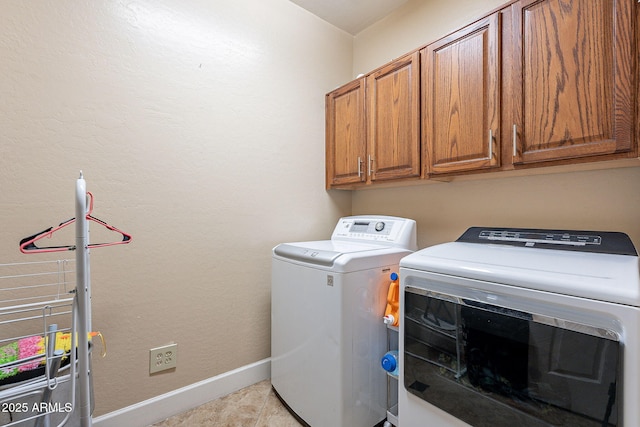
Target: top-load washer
column 327, row 335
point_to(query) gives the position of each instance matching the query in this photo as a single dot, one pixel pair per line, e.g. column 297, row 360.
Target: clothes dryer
column 327, row 334
column 521, row 327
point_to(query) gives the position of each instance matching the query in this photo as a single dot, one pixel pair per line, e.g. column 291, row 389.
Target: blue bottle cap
column 394, row 276
column 389, row 363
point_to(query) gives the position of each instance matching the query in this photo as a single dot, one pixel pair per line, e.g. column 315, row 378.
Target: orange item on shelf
column 392, row 312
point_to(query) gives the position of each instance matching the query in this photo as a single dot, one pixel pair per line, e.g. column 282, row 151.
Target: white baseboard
column 177, row 401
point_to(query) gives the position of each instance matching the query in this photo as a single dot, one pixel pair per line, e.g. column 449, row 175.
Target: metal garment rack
column 52, row 386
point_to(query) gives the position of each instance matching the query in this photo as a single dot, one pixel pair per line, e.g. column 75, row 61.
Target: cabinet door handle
column 370, row 166
column 515, row 140
column 490, row 144
column 359, row 167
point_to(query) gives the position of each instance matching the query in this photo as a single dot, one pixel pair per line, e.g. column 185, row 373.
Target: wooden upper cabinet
column 393, row 120
column 461, row 99
column 573, row 83
column 537, row 83
column 373, row 126
column 346, row 142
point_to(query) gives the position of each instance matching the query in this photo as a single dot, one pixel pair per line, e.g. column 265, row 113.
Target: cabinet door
column 345, row 134
column 573, row 81
column 461, row 99
column 393, row 117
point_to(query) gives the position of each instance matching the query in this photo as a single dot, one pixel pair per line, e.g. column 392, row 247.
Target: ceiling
column 352, row 16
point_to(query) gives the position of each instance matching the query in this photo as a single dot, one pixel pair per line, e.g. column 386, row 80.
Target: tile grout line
column 264, row 403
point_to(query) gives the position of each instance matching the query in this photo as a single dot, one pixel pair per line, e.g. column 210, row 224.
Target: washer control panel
column 376, row 229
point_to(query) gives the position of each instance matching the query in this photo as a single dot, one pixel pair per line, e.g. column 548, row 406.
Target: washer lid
column 322, row 252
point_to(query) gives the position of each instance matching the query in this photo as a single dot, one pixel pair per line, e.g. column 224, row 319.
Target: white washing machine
column 327, row 334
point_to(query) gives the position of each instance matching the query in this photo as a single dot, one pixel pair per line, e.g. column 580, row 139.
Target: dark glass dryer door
column 497, row 367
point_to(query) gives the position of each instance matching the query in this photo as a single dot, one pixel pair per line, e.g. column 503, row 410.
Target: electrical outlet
column 163, row 358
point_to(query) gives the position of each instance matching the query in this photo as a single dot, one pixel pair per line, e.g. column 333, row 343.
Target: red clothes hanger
column 27, row 245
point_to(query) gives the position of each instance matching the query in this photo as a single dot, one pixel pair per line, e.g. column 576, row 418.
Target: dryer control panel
column 604, row 242
column 382, row 230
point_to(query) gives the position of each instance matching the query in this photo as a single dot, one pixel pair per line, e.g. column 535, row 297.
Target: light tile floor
column 253, row 406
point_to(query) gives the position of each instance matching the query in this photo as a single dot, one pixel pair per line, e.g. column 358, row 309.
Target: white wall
column 597, row 200
column 199, row 126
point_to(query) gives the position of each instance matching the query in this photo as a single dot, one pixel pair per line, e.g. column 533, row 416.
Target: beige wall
column 600, row 200
column 199, row 126
column 607, row 200
column 414, row 24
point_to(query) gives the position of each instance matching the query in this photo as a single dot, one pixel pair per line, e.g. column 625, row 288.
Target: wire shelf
column 36, row 282
column 37, row 331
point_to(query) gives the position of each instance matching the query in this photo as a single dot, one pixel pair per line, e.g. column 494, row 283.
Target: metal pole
column 82, row 293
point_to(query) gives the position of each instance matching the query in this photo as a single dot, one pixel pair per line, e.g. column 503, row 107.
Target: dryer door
column 491, row 365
